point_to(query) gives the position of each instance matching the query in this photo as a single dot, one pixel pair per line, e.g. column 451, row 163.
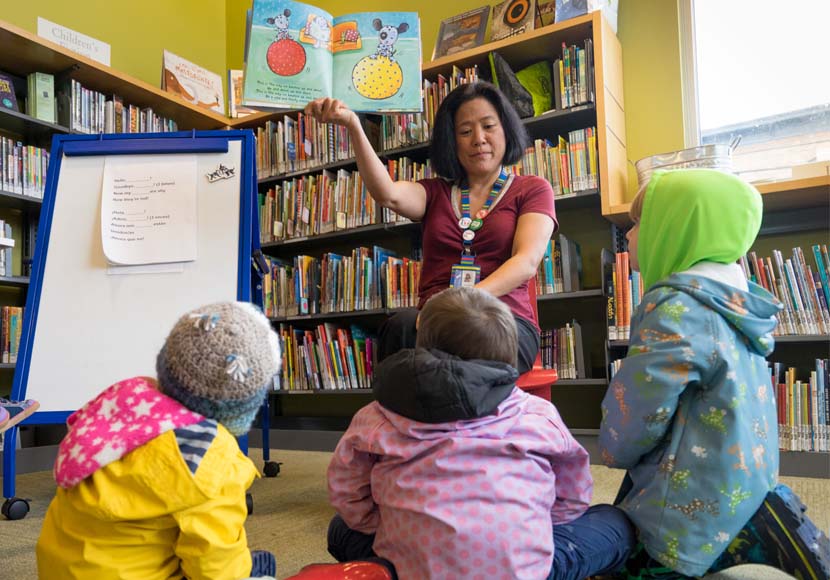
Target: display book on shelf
column 299, row 160
column 88, row 98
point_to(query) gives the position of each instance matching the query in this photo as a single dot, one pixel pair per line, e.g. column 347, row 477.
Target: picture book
column 235, row 109
column 8, row 100
column 193, row 83
column 297, row 52
column 512, row 17
column 461, row 32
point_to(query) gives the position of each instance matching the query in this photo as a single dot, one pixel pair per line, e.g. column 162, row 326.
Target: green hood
column 692, row 215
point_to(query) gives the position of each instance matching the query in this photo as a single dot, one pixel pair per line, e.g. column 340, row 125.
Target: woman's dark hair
column 442, row 151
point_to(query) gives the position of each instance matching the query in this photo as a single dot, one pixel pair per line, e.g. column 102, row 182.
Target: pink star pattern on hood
column 124, row 416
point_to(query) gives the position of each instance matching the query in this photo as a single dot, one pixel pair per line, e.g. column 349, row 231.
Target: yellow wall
column 211, row 33
column 137, row 32
column 649, row 33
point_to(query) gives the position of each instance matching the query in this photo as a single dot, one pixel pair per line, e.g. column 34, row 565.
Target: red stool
column 538, row 380
column 344, row 571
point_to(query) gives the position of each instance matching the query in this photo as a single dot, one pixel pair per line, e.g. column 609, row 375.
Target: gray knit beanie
column 219, row 361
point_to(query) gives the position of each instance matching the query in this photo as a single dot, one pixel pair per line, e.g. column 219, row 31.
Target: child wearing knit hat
column 151, row 481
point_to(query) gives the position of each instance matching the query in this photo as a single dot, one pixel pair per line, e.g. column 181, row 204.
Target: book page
column 148, row 209
column 377, row 61
column 193, row 83
column 289, row 55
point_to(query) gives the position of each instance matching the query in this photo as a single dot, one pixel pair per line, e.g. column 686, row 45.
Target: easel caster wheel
column 249, row 502
column 271, row 468
column 15, row 508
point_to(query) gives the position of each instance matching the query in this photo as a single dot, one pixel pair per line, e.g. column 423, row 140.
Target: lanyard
column 471, row 226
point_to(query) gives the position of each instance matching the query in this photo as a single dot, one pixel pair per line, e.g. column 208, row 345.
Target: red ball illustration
column 286, row 57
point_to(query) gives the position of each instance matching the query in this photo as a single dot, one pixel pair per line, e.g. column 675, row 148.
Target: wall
column 137, row 33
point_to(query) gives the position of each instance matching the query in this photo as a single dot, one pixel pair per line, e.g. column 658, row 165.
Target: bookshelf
column 581, row 216
column 24, row 53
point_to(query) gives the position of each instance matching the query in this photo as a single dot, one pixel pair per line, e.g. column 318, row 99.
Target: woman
column 475, row 218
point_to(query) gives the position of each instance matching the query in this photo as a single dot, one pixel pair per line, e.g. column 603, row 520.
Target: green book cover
column 42, row 96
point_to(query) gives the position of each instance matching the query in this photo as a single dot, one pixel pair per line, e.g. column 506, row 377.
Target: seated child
column 151, row 480
column 453, row 472
column 691, row 412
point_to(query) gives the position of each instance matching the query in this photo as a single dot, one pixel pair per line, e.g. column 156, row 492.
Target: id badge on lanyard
column 466, row 273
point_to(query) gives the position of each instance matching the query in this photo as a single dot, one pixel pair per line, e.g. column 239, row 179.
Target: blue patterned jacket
column 691, row 415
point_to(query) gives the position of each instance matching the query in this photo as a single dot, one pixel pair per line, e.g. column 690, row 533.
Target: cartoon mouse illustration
column 318, row 29
column 387, row 37
column 280, row 23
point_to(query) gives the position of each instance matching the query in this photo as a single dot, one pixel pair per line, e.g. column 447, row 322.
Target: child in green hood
column 691, row 412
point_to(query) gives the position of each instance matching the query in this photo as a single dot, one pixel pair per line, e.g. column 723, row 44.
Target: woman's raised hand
column 328, row 110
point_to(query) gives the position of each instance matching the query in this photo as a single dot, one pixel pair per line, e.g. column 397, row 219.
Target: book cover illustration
column 512, row 17
column 8, row 100
column 461, row 32
column 297, row 53
column 193, row 83
column 235, row 109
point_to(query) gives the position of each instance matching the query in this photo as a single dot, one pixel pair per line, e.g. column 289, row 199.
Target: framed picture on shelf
column 512, row 17
column 461, row 32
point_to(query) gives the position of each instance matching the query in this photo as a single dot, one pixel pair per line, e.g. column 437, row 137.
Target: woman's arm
column 533, row 232
column 406, row 198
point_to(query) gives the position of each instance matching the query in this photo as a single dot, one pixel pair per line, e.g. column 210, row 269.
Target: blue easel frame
column 129, row 144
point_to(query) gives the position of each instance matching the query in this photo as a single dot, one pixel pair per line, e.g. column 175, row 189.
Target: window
column 758, row 70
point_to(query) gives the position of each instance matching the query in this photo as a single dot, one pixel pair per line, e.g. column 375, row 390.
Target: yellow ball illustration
column 377, row 78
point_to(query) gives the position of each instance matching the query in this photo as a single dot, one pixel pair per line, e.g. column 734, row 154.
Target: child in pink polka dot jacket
column 453, row 472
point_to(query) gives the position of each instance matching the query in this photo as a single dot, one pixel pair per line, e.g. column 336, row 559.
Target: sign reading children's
column 148, row 209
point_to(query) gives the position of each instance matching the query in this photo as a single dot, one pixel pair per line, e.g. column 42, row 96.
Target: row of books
column 804, row 291
column 39, row 99
column 84, row 110
column 22, row 168
column 623, row 290
column 11, row 328
column 7, row 242
column 570, row 165
column 561, row 349
column 803, row 407
column 561, row 267
column 321, row 203
column 328, row 357
column 367, row 279
column 573, row 75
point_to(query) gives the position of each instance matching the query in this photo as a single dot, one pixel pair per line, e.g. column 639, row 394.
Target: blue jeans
column 597, row 542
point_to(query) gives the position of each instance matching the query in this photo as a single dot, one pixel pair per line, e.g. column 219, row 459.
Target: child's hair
column 219, row 361
column 470, row 324
column 636, row 209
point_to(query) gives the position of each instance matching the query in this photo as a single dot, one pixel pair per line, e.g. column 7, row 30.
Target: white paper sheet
column 148, row 209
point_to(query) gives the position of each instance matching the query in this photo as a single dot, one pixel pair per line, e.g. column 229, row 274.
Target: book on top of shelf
column 512, row 17
column 235, row 108
column 297, row 52
column 193, row 83
column 8, row 100
column 461, row 32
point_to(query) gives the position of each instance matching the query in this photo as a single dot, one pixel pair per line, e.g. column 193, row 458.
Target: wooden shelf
column 29, row 128
column 19, row 201
column 334, row 315
column 580, row 383
column 363, row 231
column 323, row 392
column 23, row 52
column 8, row 366
column 800, row 338
column 805, row 464
column 592, row 293
column 16, row 281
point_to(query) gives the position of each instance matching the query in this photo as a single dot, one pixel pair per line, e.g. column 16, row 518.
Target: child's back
column 691, row 413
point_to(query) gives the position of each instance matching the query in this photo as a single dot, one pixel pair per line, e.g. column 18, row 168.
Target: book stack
column 561, row 267
column 804, row 291
column 7, row 242
column 573, row 75
column 561, row 349
column 624, row 292
column 803, row 407
column 326, row 358
column 22, row 167
column 570, row 165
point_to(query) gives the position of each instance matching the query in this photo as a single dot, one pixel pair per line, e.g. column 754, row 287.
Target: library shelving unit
column 319, row 412
column 24, row 53
column 793, row 209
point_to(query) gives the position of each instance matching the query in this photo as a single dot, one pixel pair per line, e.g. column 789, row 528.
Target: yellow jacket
column 145, row 516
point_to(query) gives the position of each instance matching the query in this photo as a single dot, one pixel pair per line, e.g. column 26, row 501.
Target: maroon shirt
column 493, row 244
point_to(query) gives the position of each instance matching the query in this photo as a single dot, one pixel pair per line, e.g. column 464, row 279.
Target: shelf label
column 74, row 41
